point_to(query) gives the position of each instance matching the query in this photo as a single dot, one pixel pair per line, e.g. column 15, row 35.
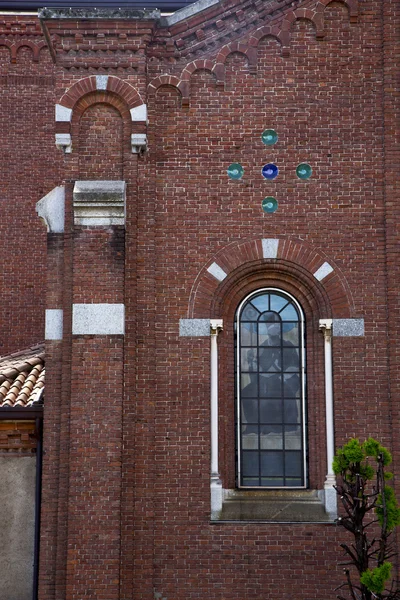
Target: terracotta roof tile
column 22, row 378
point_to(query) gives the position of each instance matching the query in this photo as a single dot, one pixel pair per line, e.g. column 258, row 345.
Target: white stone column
column 216, row 484
column 325, row 326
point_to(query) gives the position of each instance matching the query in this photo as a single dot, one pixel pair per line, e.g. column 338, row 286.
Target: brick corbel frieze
column 278, row 28
column 22, row 33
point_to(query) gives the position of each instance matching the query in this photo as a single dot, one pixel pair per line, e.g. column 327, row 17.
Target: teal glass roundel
column 269, row 137
column 269, row 204
column 235, row 171
column 304, row 171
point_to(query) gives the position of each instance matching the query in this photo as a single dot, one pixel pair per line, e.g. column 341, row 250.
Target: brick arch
column 100, row 97
column 11, row 48
column 196, row 65
column 297, row 259
column 306, row 14
column 352, row 6
column 115, row 85
column 107, row 98
column 26, row 43
column 242, row 47
column 170, row 80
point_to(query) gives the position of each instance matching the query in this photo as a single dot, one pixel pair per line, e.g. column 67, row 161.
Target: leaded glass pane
column 250, row 313
column 271, row 411
column 250, row 437
column 261, row 302
column 270, row 359
column 270, row 316
column 248, row 334
column 270, row 385
column 272, row 463
column 249, row 359
column 269, row 334
column 291, row 359
column 291, row 385
column 249, row 410
column 289, row 313
column 249, row 386
column 293, row 439
column 293, row 464
column 290, row 334
column 277, row 302
column 292, row 410
column 273, row 440
column 251, row 463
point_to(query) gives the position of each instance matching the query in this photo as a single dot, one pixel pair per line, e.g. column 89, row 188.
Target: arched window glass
column 271, row 436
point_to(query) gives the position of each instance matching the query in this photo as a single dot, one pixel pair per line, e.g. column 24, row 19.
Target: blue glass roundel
column 269, row 137
column 304, row 171
column 269, row 171
column 269, row 204
column 235, row 171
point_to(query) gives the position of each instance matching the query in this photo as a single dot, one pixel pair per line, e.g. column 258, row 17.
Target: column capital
column 216, row 325
column 325, row 325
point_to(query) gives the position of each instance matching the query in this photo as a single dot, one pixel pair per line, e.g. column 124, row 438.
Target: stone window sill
column 273, row 506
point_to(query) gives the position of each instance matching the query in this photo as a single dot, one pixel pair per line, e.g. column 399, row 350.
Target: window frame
column 238, row 421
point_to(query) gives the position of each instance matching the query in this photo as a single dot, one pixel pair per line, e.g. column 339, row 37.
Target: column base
column 330, row 496
column 216, row 497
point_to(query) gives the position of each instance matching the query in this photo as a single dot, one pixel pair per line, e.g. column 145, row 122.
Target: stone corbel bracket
column 99, row 203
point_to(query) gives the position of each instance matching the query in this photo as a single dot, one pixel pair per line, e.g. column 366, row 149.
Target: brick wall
column 126, row 498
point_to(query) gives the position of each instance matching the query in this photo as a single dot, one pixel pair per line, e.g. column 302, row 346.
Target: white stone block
column 323, row 271
column 63, row 113
column 216, row 271
column 98, row 319
column 139, row 113
column 51, row 208
column 101, row 82
column 53, row 324
column 270, row 248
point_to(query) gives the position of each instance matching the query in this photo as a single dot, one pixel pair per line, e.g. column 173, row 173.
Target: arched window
column 271, row 415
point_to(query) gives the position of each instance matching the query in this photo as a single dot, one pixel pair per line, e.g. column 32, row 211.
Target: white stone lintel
column 270, row 248
column 216, row 271
column 139, row 113
column 99, row 203
column 98, row 319
column 63, row 114
column 51, row 209
column 53, row 324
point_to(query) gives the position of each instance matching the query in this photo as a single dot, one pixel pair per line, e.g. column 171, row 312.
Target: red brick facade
column 126, row 469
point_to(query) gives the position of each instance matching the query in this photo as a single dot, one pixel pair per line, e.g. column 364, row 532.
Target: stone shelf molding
column 99, row 203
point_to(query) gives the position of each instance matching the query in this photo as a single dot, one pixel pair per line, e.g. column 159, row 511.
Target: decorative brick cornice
column 106, row 39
